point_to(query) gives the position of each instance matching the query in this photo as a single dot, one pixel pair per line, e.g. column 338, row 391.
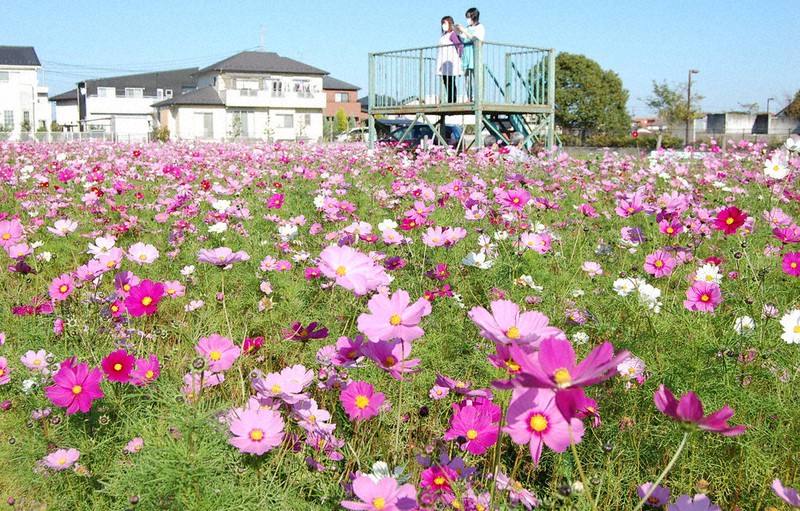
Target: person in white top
column 474, row 31
column 448, row 57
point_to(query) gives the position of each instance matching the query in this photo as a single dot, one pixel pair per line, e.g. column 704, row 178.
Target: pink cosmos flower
column 729, row 220
column 592, row 268
column 474, row 424
column 61, row 287
column 514, row 200
column 352, row 269
column 392, row 317
column 222, row 256
column 505, row 324
column 438, row 478
column 789, row 495
column 10, row 232
column 147, row 371
column 5, row 373
column 19, row 251
column 62, row 459
column 63, row 227
column 173, row 288
column 256, row 430
column 35, row 360
column 287, row 385
column 671, row 227
column 534, row 418
column 118, row 366
column 659, row 497
column 659, row 264
column 516, row 492
column 791, row 264
column 434, row 237
column 134, row 446
column 392, row 357
column 699, row 503
column 703, row 296
column 142, row 253
column 144, row 297
column 75, row 386
column 360, row 401
column 382, row 495
column 220, row 352
column 124, row 281
column 690, row 410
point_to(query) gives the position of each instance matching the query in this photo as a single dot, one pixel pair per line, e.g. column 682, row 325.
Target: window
column 4, row 76
column 284, row 120
column 204, row 125
column 159, row 93
column 106, row 92
column 276, row 86
column 341, row 97
column 243, row 123
column 168, row 93
column 8, row 119
column 302, row 88
column 307, row 120
column 26, row 116
column 132, row 92
column 247, row 83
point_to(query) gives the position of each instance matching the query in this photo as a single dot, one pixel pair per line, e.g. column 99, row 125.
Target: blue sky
column 746, row 51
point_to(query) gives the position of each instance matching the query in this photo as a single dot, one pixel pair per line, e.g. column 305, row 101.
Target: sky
column 745, row 51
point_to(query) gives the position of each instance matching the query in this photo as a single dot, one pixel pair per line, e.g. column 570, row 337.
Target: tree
column 589, row 98
column 793, row 110
column 750, row 108
column 341, row 121
column 670, row 103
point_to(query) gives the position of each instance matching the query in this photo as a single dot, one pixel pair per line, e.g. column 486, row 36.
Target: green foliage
column 589, row 98
column 643, row 142
column 341, row 121
column 671, row 103
column 161, row 134
column 793, row 110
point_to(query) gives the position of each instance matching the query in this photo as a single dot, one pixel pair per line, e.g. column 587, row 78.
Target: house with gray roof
column 250, row 95
column 122, row 105
column 23, row 103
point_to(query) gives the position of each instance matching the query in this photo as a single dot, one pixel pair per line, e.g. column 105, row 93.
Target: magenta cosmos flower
column 702, row 296
column 505, row 324
column 534, row 418
column 382, row 495
column 61, row 287
column 360, row 401
column 791, row 264
column 659, row 264
column 143, row 298
column 75, row 386
column 352, row 269
column 474, row 424
column 690, row 410
column 147, row 371
column 729, row 220
column 789, row 495
column 5, row 373
column 61, row 459
column 222, row 256
column 219, row 352
column 392, row 318
column 118, row 366
column 256, row 430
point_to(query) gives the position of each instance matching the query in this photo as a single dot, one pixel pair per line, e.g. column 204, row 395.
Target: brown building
column 342, row 95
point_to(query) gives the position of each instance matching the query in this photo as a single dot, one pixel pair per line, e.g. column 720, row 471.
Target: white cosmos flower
column 744, row 325
column 792, row 144
column 709, row 273
column 218, row 228
column 287, row 232
column 776, row 167
column 221, row 205
column 477, row 260
column 791, row 327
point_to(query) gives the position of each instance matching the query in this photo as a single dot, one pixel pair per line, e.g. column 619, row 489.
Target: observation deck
column 510, row 89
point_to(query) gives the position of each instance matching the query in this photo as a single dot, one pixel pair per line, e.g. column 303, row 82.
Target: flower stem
column 225, row 309
column 664, row 473
column 580, row 469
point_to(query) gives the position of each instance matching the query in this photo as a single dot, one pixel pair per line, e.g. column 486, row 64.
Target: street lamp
column 689, row 115
column 768, row 100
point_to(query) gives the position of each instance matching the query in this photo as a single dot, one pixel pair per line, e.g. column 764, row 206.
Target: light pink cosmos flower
column 789, row 495
column 63, row 227
column 534, row 418
column 134, row 446
column 62, row 459
column 352, row 269
column 19, row 251
column 659, row 264
column 699, row 503
column 287, row 385
column 392, row 357
column 174, row 288
column 142, row 253
column 35, row 360
column 256, row 430
column 393, row 318
column 10, row 232
column 592, row 268
column 385, row 495
column 220, row 352
column 505, row 324
column 222, row 256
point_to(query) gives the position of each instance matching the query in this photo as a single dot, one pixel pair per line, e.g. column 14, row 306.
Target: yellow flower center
column 562, row 378
column 149, row 375
column 256, row 435
column 170, row 291
column 215, row 355
column 472, row 434
column 793, row 265
column 63, row 288
column 379, row 503
column 341, row 270
column 125, row 287
column 705, row 298
column 512, row 366
column 6, row 236
column 118, row 367
column 513, row 333
column 37, row 362
column 439, row 480
column 729, row 220
column 77, row 389
column 460, row 384
column 2, row 372
column 670, row 230
column 389, row 361
column 147, row 301
column 62, row 461
column 709, row 278
column 362, row 402
column 111, row 265
column 143, row 257
column 276, row 389
column 538, row 423
column 395, row 319
column 658, row 264
column 797, row 329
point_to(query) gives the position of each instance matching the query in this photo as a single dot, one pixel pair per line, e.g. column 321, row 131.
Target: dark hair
column 450, row 23
column 473, row 14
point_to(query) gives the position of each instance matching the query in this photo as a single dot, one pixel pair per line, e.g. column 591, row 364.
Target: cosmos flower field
column 293, row 326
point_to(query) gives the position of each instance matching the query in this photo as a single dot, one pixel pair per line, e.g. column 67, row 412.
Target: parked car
column 360, row 134
column 419, row 132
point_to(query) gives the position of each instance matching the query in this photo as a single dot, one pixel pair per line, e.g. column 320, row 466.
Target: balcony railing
column 503, row 78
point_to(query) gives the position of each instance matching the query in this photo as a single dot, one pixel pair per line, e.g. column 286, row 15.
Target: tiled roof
column 205, row 96
column 262, row 62
column 19, row 56
column 176, row 80
column 331, row 83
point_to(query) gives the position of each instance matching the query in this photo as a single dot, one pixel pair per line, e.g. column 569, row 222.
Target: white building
column 23, row 103
column 251, row 95
column 121, row 105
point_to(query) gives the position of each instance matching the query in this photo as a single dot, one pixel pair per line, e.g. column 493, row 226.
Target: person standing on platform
column 474, row 31
column 448, row 58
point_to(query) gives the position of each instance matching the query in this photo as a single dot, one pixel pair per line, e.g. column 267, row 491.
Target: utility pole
column 261, row 32
column 689, row 116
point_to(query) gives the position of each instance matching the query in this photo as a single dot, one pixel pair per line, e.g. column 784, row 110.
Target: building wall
column 20, row 94
column 352, row 107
